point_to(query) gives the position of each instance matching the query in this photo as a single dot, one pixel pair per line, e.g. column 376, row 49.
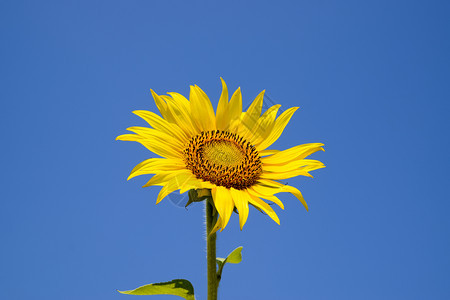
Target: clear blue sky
column 371, row 79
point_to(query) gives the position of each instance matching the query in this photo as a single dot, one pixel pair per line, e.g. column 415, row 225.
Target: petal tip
column 120, row 138
column 223, row 82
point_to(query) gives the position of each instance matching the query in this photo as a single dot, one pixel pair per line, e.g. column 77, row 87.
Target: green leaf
column 177, row 287
column 198, row 195
column 234, row 257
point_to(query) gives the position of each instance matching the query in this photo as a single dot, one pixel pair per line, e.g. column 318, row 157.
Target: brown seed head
column 223, row 158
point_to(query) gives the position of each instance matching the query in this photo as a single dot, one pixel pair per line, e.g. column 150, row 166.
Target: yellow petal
column 310, row 168
column 277, row 129
column 264, row 125
column 294, row 191
column 292, row 169
column 305, row 164
column 181, row 117
column 162, row 107
column 157, row 168
column 284, row 175
column 157, row 135
column 217, row 226
column 288, row 188
column 158, row 179
column 158, row 163
column 294, row 153
column 222, row 115
column 172, row 185
column 251, row 116
column 162, row 178
column 265, row 207
column 181, row 101
column 258, row 191
column 155, row 146
column 268, row 152
column 160, row 124
column 223, row 203
column 195, row 183
column 241, row 200
column 202, row 110
column 186, row 107
column 235, row 110
column 270, row 184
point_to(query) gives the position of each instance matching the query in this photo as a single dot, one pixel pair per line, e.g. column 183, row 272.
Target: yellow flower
column 225, row 152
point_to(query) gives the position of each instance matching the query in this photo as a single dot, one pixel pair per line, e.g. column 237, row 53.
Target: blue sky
column 372, row 82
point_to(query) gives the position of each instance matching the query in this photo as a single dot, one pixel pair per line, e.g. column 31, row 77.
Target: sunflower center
column 223, row 158
column 223, row 153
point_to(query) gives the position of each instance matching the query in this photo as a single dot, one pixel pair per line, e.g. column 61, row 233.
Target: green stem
column 211, row 252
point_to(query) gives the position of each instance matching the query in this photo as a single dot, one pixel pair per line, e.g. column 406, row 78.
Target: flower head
column 223, row 151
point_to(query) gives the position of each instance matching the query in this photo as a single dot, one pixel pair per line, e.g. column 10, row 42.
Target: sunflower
column 224, row 152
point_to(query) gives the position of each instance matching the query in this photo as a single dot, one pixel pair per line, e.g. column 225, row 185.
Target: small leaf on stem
column 234, row 257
